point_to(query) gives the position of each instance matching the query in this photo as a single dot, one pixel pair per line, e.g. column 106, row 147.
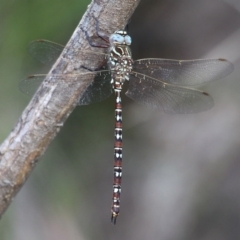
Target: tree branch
column 52, row 104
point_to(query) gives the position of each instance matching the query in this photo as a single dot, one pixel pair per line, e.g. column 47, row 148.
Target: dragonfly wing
column 45, row 51
column 167, row 97
column 98, row 90
column 30, row 84
column 184, row 72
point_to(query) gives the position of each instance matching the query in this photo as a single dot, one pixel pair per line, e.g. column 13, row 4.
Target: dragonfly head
column 120, row 38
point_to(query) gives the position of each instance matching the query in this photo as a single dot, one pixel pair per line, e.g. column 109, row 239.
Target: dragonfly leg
column 101, row 67
column 102, row 37
column 92, row 43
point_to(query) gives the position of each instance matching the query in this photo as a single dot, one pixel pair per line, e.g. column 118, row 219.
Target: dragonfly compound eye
column 128, row 40
column 116, row 39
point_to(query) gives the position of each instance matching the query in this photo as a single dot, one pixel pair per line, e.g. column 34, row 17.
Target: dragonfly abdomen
column 117, row 169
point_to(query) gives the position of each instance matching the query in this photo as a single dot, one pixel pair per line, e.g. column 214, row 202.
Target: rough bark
column 53, row 103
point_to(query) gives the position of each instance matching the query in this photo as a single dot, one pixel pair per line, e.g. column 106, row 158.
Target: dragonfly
column 161, row 84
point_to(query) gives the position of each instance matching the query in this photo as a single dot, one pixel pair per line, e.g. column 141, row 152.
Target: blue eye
column 128, row 40
column 116, row 38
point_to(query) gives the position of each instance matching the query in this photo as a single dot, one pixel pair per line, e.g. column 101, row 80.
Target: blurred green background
column 181, row 176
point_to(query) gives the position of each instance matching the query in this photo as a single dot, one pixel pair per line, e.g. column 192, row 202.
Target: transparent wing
column 30, row 84
column 186, row 72
column 45, row 51
column 167, row 97
column 98, row 90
